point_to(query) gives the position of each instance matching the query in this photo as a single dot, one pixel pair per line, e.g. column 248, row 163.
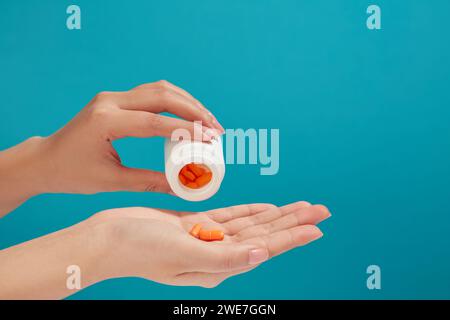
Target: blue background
column 363, row 118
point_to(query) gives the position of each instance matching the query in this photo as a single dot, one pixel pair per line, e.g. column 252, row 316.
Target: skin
column 138, row 242
column 80, row 158
column 156, row 245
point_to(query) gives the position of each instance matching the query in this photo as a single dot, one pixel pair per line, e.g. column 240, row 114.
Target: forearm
column 38, row 269
column 22, row 173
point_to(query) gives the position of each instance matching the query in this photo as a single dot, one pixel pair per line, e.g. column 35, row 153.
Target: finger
column 163, row 100
column 236, row 225
column 216, row 257
column 223, row 215
column 142, row 180
column 128, row 123
column 207, row 280
column 291, row 207
column 162, row 84
column 301, row 216
column 282, row 241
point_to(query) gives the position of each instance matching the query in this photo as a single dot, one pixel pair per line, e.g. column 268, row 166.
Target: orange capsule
column 188, row 174
column 204, row 179
column 192, row 185
column 217, row 235
column 182, row 179
column 211, row 235
column 196, row 230
column 196, row 169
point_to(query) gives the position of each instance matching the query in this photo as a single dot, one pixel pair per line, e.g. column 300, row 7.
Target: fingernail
column 256, row 256
column 216, row 123
column 219, row 126
column 318, row 236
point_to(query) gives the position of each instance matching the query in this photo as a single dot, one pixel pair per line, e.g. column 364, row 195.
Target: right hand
column 156, row 244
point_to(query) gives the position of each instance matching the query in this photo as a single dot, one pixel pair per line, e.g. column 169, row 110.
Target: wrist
column 103, row 231
column 38, row 165
column 23, row 173
column 119, row 247
column 22, row 166
column 60, row 261
column 95, row 254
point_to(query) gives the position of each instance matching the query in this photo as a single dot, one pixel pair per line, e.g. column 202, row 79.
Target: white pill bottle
column 209, row 155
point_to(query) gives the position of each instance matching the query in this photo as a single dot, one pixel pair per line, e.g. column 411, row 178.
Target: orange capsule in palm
column 196, row 230
column 211, row 235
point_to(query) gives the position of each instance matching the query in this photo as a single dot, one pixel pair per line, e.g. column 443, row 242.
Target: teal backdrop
column 363, row 115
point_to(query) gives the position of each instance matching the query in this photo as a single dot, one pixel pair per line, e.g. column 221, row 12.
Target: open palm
column 163, row 250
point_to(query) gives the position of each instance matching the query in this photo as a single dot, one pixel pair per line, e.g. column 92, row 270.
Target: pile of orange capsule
column 195, row 176
column 206, row 235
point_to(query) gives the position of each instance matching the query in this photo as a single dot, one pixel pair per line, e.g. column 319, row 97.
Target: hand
column 80, row 158
column 156, row 244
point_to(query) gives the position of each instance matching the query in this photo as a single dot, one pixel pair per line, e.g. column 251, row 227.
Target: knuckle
column 100, row 113
column 226, row 260
column 144, row 86
column 154, row 121
column 163, row 83
column 164, row 95
column 267, row 207
column 34, row 139
column 103, row 96
column 270, row 206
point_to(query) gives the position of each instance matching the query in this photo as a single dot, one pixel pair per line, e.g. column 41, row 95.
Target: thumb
column 228, row 257
column 142, row 180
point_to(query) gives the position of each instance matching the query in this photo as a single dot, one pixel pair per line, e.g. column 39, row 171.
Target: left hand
column 156, row 244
